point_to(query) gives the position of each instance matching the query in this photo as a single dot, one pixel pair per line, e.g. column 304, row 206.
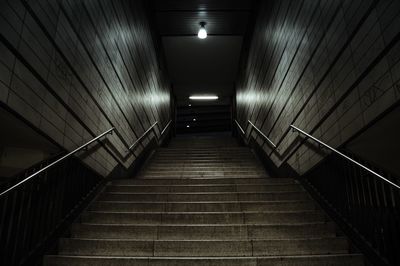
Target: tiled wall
column 74, row 69
column 328, row 67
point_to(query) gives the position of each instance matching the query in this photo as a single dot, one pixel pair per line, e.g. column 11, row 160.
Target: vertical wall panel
column 77, row 68
column 328, row 67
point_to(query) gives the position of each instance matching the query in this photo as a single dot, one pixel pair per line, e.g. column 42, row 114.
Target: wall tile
column 341, row 60
column 83, row 67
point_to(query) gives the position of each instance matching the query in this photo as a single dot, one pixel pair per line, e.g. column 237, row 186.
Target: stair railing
column 358, row 195
column 84, row 146
column 50, row 194
column 243, row 131
column 321, row 143
column 361, row 198
column 150, row 129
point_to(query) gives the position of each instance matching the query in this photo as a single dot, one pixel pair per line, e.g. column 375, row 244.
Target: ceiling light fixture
column 203, row 97
column 202, row 31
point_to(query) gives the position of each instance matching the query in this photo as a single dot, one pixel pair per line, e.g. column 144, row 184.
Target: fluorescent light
column 203, row 97
column 194, row 119
column 187, row 126
column 202, row 31
column 189, row 105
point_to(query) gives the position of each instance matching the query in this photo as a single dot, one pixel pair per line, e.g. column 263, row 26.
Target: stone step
column 243, row 158
column 294, row 217
column 204, row 161
column 202, row 173
column 240, row 155
column 203, row 188
column 233, row 206
column 208, row 164
column 202, row 232
column 203, row 181
column 204, row 196
column 305, row 260
column 203, row 151
column 208, row 168
column 208, row 157
column 203, row 165
column 204, row 145
column 195, row 248
column 222, row 152
column 207, row 150
column 206, row 175
column 151, row 171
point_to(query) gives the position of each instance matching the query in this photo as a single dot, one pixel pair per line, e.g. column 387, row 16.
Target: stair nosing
column 206, row 202
column 328, row 223
column 341, row 238
column 202, row 212
column 203, row 193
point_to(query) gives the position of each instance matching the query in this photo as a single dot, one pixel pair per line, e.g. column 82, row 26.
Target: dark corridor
column 199, row 132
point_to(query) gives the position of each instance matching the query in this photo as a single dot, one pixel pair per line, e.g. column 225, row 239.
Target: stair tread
column 199, row 204
column 204, row 185
column 205, row 225
column 213, row 213
column 208, row 202
column 207, row 193
column 72, row 239
column 195, row 248
column 220, row 257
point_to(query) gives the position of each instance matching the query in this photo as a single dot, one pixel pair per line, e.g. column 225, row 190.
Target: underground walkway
column 200, row 132
column 204, row 201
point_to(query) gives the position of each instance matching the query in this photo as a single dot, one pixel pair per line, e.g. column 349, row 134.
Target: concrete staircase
column 204, row 201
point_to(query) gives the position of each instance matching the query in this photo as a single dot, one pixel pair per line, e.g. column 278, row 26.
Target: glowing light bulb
column 203, row 97
column 202, row 34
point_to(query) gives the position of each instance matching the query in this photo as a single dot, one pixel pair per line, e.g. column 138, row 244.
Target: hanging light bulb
column 202, row 31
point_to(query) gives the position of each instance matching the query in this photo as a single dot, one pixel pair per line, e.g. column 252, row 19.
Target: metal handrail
column 257, row 129
column 147, row 132
column 241, row 129
column 142, row 136
column 165, row 128
column 262, row 134
column 57, row 161
column 344, row 156
column 81, row 148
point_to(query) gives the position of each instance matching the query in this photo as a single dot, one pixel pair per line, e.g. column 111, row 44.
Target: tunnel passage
column 121, row 116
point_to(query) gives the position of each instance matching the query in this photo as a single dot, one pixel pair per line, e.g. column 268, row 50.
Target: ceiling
column 206, row 66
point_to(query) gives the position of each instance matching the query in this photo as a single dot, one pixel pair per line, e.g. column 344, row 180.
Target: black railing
column 367, row 207
column 362, row 198
column 32, row 212
column 37, row 206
